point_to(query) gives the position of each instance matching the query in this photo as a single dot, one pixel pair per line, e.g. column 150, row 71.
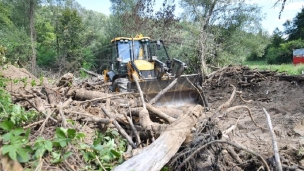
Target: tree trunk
column 156, row 155
column 33, row 32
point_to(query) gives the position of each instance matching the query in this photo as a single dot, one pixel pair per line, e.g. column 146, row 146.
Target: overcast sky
column 269, row 23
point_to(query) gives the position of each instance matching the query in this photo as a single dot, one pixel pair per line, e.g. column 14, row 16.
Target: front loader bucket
column 182, row 93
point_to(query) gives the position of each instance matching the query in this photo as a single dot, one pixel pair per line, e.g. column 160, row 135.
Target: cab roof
column 128, row 38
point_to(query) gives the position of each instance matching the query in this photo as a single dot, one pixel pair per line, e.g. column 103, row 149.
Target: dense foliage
column 280, row 50
column 61, row 36
column 65, row 36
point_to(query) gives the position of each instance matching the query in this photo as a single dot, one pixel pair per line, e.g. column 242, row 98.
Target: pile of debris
column 184, row 138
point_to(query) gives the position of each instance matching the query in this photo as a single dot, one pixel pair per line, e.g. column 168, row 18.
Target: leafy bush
column 283, row 54
column 10, row 111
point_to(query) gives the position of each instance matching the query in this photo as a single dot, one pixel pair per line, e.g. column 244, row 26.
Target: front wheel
column 120, row 85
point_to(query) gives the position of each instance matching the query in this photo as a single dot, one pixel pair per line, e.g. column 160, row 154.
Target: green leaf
column 12, row 154
column 165, row 168
column 80, row 135
column 63, row 129
column 17, row 109
column 23, row 155
column 56, row 157
column 98, row 147
column 17, row 140
column 56, row 143
column 70, row 121
column 7, row 125
column 106, row 158
column 71, row 133
column 48, row 145
column 27, row 133
column 33, row 83
column 84, row 146
column 6, row 148
column 60, row 133
column 117, row 154
column 66, row 155
column 39, row 153
column 18, row 131
column 63, row 143
column 37, row 145
column 85, row 156
column 8, row 136
column 115, row 133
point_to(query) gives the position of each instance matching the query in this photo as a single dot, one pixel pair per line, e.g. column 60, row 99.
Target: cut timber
column 156, row 155
column 83, row 94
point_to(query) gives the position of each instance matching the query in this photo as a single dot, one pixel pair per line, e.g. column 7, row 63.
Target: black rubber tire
column 120, row 85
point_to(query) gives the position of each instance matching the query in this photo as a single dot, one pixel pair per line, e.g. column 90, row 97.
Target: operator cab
column 126, row 49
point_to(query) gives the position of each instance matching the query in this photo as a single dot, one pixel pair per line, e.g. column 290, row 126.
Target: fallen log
column 83, row 94
column 156, row 155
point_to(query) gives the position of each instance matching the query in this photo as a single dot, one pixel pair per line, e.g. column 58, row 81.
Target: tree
column 132, row 17
column 295, row 28
column 5, row 20
column 283, row 54
column 32, row 34
column 215, row 22
column 68, row 39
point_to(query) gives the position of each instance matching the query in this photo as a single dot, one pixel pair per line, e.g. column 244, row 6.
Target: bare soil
column 283, row 100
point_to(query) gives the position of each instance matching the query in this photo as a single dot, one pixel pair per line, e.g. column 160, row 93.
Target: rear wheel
column 120, row 85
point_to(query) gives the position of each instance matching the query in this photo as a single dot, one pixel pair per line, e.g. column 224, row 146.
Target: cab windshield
column 124, row 51
column 141, row 50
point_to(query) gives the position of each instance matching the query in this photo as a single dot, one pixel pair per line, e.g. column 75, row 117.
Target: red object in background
column 298, row 60
column 298, row 56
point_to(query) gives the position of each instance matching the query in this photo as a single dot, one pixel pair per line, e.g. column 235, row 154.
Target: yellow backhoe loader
column 149, row 62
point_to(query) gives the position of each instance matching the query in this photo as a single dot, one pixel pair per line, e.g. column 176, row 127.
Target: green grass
column 290, row 69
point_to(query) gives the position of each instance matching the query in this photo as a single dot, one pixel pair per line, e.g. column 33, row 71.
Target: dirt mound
column 18, row 77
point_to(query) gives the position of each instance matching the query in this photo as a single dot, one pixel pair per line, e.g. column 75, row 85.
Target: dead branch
column 120, row 129
column 274, row 142
column 139, row 90
column 33, row 124
column 105, row 96
column 226, row 104
column 41, row 129
column 160, row 113
column 229, row 143
column 249, row 112
column 210, row 76
column 61, row 112
column 241, row 97
column 51, row 94
column 138, row 141
column 92, row 73
column 233, row 154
